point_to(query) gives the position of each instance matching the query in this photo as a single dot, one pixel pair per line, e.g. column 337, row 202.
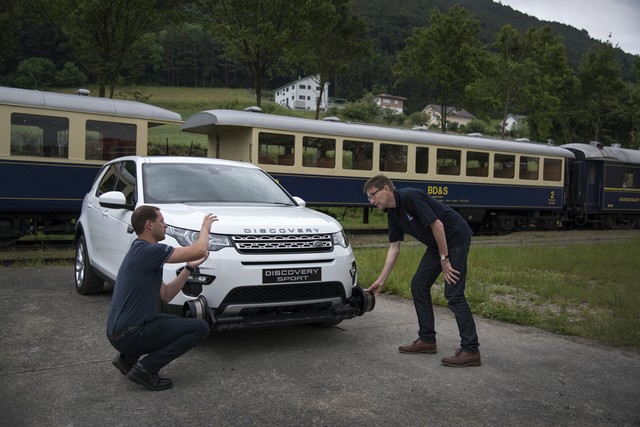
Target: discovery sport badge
column 287, row 275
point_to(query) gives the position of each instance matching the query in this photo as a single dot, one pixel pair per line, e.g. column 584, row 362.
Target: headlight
column 340, row 238
column 188, row 237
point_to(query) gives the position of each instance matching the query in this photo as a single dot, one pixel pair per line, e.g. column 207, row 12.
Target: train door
column 595, row 181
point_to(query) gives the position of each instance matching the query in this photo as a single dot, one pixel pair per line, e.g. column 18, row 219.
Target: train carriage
column 51, row 148
column 495, row 184
column 605, row 186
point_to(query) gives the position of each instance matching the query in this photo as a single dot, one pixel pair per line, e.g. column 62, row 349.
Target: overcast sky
column 620, row 18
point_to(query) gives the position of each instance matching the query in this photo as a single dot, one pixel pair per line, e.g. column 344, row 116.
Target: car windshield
column 209, row 183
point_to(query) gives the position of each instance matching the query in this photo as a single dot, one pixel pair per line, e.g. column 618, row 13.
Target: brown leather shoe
column 419, row 346
column 462, row 358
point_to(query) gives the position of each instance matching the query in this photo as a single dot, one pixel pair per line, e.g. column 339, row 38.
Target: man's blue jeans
column 427, row 273
column 164, row 339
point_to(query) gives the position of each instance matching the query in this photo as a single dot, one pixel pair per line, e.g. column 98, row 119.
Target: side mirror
column 300, row 201
column 114, row 200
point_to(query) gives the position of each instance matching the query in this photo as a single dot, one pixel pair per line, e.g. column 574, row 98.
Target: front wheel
column 86, row 280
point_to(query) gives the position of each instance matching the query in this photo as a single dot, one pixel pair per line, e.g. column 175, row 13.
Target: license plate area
column 292, row 275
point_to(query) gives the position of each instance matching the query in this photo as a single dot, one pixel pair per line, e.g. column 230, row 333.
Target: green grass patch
column 579, row 289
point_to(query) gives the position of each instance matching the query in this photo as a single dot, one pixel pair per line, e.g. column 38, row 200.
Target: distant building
column 391, row 102
column 513, row 120
column 454, row 114
column 302, row 94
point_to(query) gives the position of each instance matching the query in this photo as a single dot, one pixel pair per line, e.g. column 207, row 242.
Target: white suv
column 272, row 261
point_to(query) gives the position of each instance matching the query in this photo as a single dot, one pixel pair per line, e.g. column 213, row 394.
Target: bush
column 35, row 73
column 419, row 118
column 70, row 76
column 476, row 126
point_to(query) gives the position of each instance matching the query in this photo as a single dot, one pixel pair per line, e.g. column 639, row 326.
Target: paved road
column 55, row 369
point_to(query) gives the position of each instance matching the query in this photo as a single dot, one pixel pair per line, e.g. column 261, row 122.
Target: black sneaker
column 152, row 382
column 123, row 363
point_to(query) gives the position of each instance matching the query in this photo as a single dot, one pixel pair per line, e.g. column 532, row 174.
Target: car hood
column 250, row 219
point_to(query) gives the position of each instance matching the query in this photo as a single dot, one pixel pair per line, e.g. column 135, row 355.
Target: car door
column 117, row 233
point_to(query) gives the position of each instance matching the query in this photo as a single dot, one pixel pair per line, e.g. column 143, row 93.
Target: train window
column 276, row 149
column 552, row 170
column 357, row 155
column 393, row 157
column 422, row 160
column 627, row 181
column 477, row 163
column 618, row 177
column 529, row 167
column 318, row 152
column 504, row 166
column 41, row 136
column 107, row 140
column 448, row 162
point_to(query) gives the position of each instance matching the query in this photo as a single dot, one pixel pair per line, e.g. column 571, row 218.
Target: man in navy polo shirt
column 133, row 326
column 447, row 237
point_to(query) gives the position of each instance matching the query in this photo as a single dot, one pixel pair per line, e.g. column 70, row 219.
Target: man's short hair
column 377, row 182
column 141, row 215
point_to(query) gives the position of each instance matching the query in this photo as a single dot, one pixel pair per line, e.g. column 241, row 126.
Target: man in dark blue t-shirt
column 447, row 237
column 133, row 326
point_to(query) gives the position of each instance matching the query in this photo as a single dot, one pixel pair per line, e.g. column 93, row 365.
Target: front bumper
column 361, row 301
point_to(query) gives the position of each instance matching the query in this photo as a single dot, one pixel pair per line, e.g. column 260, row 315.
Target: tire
column 86, row 280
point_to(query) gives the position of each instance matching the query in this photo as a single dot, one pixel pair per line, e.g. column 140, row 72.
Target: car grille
column 282, row 243
column 284, row 293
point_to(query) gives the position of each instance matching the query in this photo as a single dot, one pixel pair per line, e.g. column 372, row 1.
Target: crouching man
column 133, row 326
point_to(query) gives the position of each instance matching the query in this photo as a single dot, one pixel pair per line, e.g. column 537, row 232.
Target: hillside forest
column 473, row 54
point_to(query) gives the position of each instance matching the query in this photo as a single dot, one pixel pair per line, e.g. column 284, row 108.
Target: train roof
column 205, row 122
column 89, row 104
column 598, row 151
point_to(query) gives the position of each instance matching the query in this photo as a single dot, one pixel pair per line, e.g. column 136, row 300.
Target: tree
column 510, row 70
column 600, row 88
column 549, row 86
column 335, row 41
column 445, row 54
column 103, row 32
column 259, row 34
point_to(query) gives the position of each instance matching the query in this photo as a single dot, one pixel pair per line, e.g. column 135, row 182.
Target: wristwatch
column 444, row 257
column 189, row 269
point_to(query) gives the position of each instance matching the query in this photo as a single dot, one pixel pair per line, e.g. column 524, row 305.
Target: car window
column 127, row 181
column 108, row 180
column 206, row 183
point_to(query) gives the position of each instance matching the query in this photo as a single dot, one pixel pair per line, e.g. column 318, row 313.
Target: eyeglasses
column 372, row 195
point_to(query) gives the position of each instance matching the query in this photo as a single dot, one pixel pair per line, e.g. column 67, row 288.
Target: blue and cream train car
column 604, row 188
column 495, row 184
column 51, row 147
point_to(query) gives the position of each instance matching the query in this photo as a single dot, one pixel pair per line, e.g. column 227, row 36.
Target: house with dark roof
column 391, row 102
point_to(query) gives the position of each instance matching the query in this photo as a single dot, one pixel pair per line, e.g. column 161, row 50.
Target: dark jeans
column 427, row 273
column 164, row 339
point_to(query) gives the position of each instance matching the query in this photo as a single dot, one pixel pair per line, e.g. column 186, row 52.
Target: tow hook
column 363, row 300
column 196, row 308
